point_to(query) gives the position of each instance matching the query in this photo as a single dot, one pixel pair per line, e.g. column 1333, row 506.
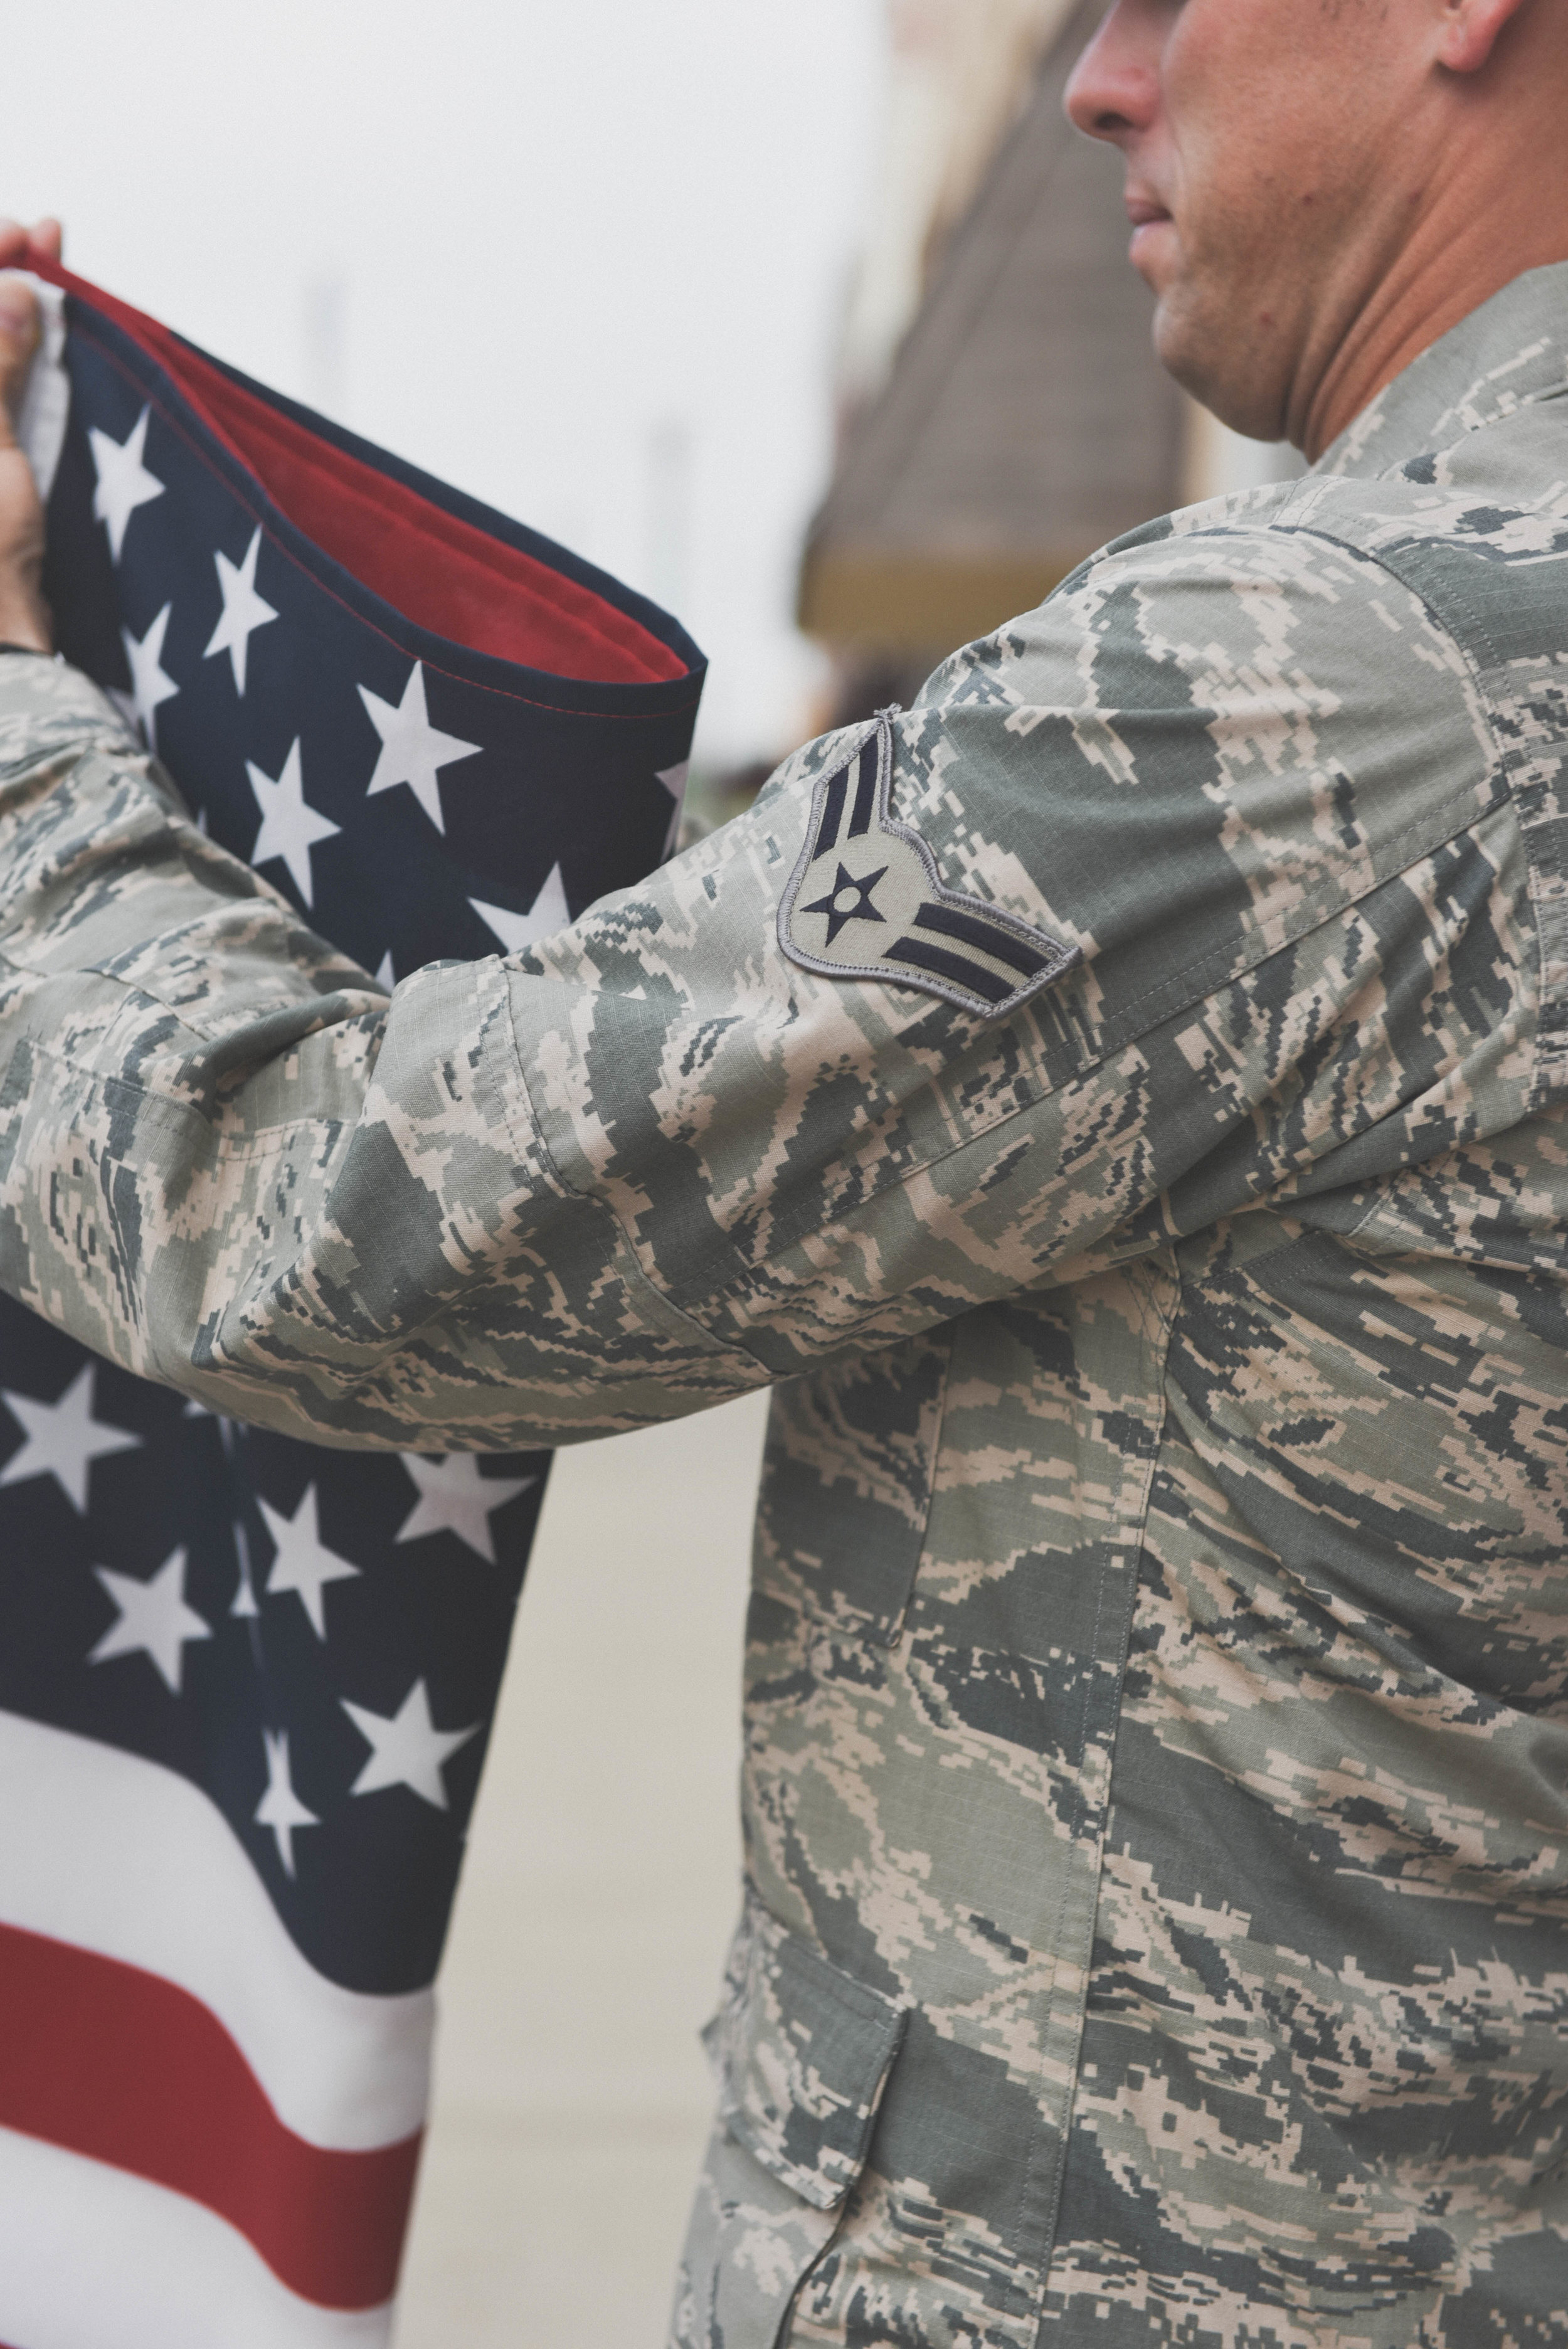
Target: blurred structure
column 960, row 73
column 1002, row 412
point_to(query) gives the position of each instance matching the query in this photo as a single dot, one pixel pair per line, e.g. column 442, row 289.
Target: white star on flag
column 407, row 1750
column 549, row 912
column 123, row 481
column 454, row 1499
column 245, row 1602
column 303, row 1563
column 412, row 749
column 289, row 828
column 244, row 610
column 674, row 779
column 280, row 1807
column 150, row 686
column 63, row 1440
column 154, row 1620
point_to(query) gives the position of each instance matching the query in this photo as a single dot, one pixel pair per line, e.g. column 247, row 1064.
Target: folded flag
column 246, row 1684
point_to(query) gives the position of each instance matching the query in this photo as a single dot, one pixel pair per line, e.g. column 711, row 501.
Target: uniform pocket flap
column 802, row 2052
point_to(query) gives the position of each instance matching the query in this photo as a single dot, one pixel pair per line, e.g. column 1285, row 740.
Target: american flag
column 245, row 1684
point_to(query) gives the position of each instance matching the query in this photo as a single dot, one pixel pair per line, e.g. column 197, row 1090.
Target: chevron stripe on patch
column 866, row 901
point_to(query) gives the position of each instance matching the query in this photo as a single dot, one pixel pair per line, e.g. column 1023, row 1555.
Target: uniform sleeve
column 1237, row 781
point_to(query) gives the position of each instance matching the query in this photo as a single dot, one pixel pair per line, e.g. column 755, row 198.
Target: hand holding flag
column 23, row 616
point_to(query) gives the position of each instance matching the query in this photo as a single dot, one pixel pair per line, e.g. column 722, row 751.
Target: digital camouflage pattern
column 1157, row 1770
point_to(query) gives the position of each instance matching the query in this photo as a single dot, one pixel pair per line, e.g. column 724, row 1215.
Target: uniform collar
column 1513, row 350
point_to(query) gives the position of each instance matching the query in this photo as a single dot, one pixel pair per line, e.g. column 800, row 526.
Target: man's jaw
column 1196, row 308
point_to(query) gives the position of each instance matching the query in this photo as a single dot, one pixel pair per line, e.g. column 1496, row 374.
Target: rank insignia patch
column 866, row 901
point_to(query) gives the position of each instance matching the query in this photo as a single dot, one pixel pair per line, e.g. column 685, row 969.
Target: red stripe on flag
column 111, row 2062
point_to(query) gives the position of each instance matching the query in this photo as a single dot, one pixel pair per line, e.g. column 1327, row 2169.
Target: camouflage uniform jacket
column 1157, row 1928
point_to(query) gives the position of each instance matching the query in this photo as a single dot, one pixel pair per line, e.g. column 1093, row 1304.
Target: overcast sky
column 587, row 261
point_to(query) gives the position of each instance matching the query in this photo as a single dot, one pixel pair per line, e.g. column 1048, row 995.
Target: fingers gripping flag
column 246, row 1685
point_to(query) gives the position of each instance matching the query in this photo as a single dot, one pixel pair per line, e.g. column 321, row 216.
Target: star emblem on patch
column 866, row 901
column 849, row 900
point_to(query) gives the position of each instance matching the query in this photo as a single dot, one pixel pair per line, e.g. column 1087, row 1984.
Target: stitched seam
column 1166, row 1331
column 890, row 1635
column 1411, row 831
column 258, row 1140
column 1413, row 838
column 1042, row 2093
column 866, row 1630
column 1541, row 1087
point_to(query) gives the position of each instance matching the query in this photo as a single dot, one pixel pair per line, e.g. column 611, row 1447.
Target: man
column 1122, row 1105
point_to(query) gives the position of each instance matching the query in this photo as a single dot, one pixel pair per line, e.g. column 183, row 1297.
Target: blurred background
column 815, row 323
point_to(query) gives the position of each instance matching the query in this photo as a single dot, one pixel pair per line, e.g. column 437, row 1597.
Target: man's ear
column 1469, row 30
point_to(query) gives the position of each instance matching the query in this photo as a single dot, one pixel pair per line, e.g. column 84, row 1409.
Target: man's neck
column 1484, row 224
column 1396, row 331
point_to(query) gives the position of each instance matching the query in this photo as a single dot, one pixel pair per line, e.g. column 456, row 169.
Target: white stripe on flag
column 121, row 1857
column 92, row 2258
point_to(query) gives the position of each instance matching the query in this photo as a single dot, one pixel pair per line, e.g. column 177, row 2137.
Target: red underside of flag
column 438, row 570
column 110, row 2062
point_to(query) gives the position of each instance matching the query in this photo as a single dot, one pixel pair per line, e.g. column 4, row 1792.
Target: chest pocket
column 802, row 2054
column 846, row 1486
